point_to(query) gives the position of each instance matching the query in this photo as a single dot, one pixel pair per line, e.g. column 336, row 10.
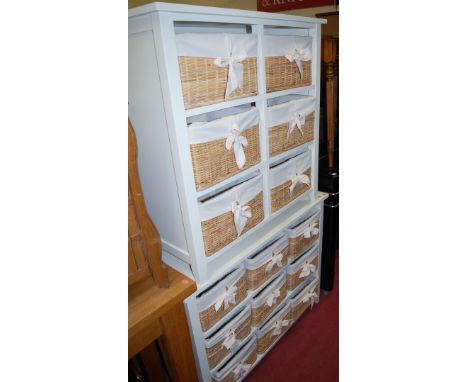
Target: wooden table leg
column 176, row 346
column 153, row 365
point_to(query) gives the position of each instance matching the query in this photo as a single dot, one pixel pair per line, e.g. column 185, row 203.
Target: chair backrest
column 144, row 244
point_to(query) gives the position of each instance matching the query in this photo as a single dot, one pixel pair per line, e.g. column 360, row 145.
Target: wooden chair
column 155, row 292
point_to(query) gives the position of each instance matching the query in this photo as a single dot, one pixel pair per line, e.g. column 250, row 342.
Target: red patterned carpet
column 309, row 350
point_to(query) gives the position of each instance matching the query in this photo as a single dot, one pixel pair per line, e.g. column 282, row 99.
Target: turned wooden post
column 329, row 56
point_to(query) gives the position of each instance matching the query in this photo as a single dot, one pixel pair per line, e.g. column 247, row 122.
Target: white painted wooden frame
column 157, row 112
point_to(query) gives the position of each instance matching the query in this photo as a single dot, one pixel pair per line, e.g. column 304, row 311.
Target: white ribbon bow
column 299, row 55
column 298, row 178
column 226, row 298
column 234, row 138
column 278, row 325
column 271, row 299
column 235, row 71
column 276, row 258
column 230, row 339
column 306, row 269
column 309, row 296
column 241, row 215
column 297, row 121
column 311, row 230
column 241, row 369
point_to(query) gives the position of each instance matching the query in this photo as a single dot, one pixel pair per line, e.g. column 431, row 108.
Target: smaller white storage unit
column 225, row 106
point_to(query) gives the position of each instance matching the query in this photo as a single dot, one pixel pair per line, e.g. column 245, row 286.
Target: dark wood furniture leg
column 329, row 57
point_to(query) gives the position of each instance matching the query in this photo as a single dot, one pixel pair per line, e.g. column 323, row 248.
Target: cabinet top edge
column 185, row 8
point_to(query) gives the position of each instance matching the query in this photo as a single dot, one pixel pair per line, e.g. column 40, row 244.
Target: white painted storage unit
column 158, row 115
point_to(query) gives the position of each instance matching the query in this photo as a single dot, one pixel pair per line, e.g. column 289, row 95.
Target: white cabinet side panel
column 148, row 118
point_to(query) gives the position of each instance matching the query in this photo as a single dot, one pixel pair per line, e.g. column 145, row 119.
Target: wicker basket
column 303, row 234
column 271, row 330
column 225, row 217
column 218, row 300
column 223, row 145
column 266, row 300
column 210, row 65
column 304, row 299
column 285, row 58
column 239, row 365
column 290, row 179
column 290, row 122
column 302, row 267
column 267, row 262
column 226, row 340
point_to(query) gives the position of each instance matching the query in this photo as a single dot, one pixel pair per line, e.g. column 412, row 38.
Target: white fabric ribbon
column 299, row 55
column 241, row 369
column 277, row 326
column 235, row 71
column 271, row 299
column 307, row 268
column 298, row 178
column 241, row 215
column 309, row 297
column 298, row 121
column 230, row 339
column 226, row 298
column 238, row 141
column 311, row 230
column 276, row 258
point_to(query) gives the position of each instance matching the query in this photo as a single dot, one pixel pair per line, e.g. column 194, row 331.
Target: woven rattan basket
column 266, row 300
column 223, row 145
column 284, row 56
column 273, row 329
column 302, row 267
column 206, row 65
column 303, row 234
column 239, row 365
column 227, row 339
column 230, row 214
column 267, row 262
column 290, row 122
column 304, row 299
column 218, row 300
column 289, row 180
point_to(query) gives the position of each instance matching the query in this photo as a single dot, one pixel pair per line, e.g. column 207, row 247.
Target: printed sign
column 286, row 5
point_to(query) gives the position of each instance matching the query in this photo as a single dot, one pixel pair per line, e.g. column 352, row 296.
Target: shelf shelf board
column 233, row 179
column 280, row 93
column 291, row 153
column 220, row 105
